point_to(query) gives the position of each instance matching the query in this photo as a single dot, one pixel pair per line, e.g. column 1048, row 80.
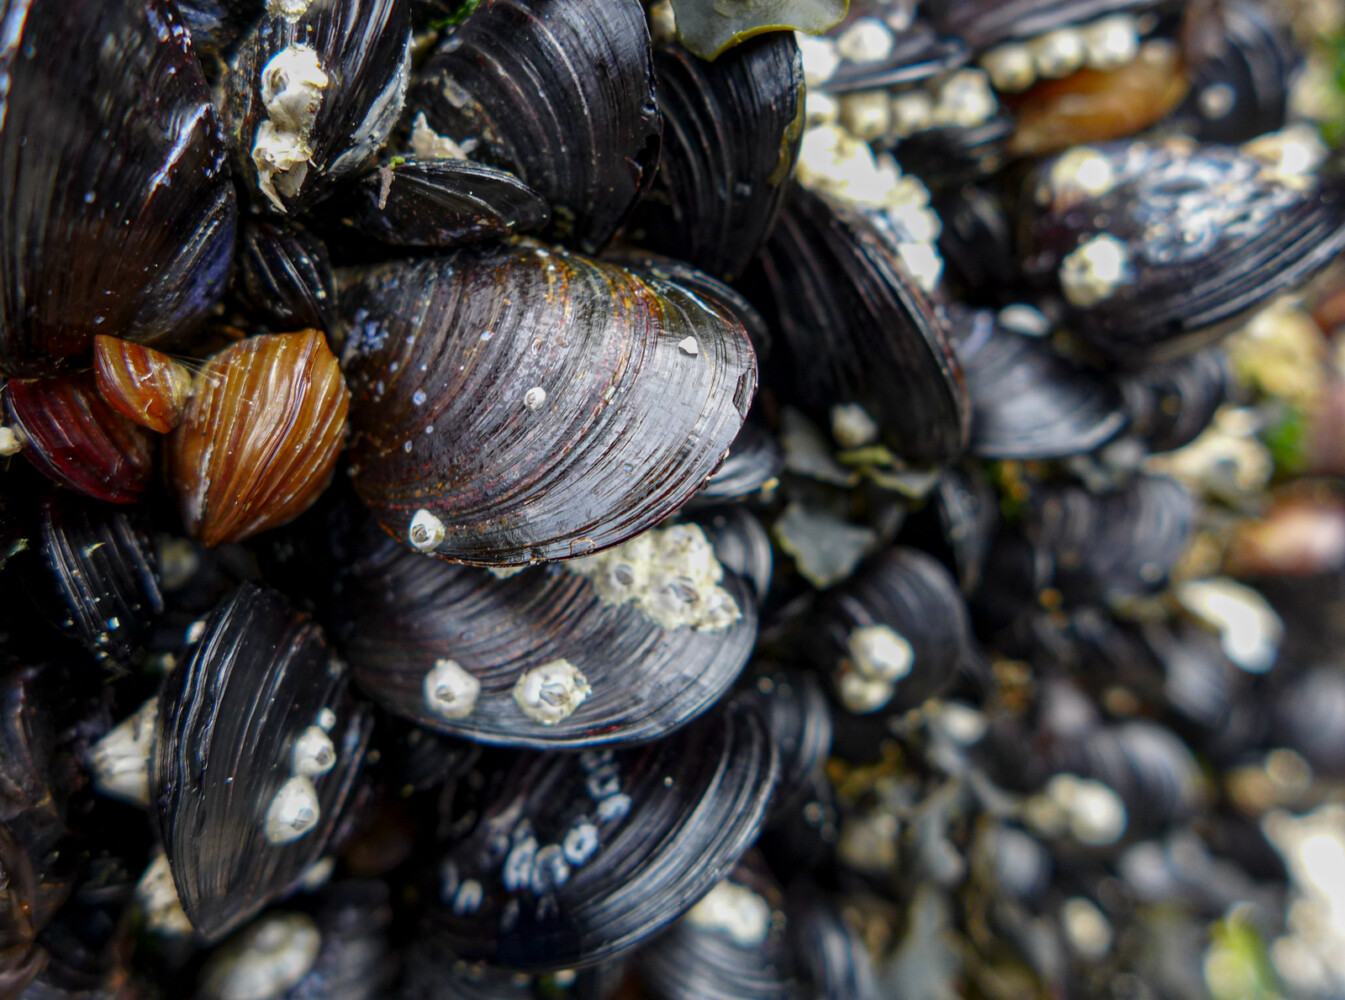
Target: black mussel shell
column 956, row 154
column 855, row 329
column 1104, row 547
column 583, row 131
column 526, row 404
column 643, row 262
column 731, row 135
column 976, row 242
column 456, row 648
column 257, row 712
column 894, row 634
column 309, row 100
column 106, row 571
column 1147, row 765
column 577, row 858
column 21, row 958
column 119, row 212
column 830, row 954
column 1160, row 249
column 968, row 513
column 755, row 461
column 731, row 944
column 286, row 276
column 1310, row 718
column 799, row 718
column 1171, row 403
column 1020, row 864
column 217, row 25
column 1027, row 402
column 1240, row 88
column 982, row 23
column 444, row 203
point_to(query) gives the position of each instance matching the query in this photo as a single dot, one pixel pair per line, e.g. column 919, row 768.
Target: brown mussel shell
column 577, row 858
column 854, row 328
column 230, row 719
column 77, row 439
column 583, row 132
column 529, row 404
column 140, row 383
column 119, row 212
column 260, row 436
column 412, row 614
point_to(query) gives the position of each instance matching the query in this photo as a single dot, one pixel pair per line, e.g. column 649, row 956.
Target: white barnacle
column 1249, row 629
column 290, row 10
column 671, row 574
column 450, row 691
column 1081, row 173
column 264, row 961
column 1086, row 928
column 10, row 443
column 156, row 896
column 426, row 531
column 430, row 145
column 293, row 811
column 550, row 693
column 326, row 720
column 1093, row 272
column 851, row 426
column 1094, row 813
column 292, row 85
column 860, row 694
column 1058, row 53
column 1111, row 42
column 866, row 40
column 880, row 653
column 688, row 345
column 581, row 842
column 1010, row 66
column 535, row 398
column 965, row 99
column 120, row 760
column 550, row 870
column 313, row 752
column 734, row 911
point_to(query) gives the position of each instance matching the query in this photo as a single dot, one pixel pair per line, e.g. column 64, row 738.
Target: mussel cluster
column 626, row 499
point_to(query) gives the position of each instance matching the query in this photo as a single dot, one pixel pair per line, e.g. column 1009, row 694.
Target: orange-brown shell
column 140, row 383
column 259, row 436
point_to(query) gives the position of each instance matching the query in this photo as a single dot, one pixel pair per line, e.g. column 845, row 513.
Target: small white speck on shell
column 293, row 812
column 450, row 691
column 689, row 346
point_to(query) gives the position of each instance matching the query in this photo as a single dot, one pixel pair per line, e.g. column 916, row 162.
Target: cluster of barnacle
column 849, row 515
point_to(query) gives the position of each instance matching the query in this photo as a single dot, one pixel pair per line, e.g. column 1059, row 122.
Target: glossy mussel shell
column 530, row 404
column 855, row 328
column 229, row 718
column 560, row 92
column 576, row 858
column 119, row 215
column 645, row 680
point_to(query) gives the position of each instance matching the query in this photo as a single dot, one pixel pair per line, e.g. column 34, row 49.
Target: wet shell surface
column 140, row 383
column 76, row 439
column 120, row 215
column 260, row 436
column 617, row 648
column 258, row 745
column 586, row 141
column 576, row 858
column 526, row 404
